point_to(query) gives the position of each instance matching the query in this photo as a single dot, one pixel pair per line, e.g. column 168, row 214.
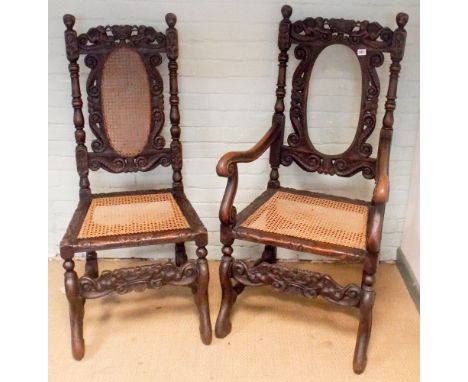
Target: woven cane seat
column 133, row 219
column 306, row 216
column 120, row 215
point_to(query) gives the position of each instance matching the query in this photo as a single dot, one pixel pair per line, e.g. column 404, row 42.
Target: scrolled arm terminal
column 227, row 167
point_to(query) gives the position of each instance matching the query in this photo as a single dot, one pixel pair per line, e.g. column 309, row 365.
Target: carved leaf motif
column 309, row 284
column 138, row 279
column 347, row 31
column 121, row 35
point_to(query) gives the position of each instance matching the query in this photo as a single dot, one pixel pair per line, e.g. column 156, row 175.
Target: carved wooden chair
column 126, row 115
column 333, row 226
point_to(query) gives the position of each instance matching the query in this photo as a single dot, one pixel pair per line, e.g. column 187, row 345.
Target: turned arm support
column 227, row 167
column 382, row 186
column 380, row 194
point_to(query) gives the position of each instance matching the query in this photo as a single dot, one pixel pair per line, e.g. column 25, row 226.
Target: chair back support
column 125, row 98
column 369, row 41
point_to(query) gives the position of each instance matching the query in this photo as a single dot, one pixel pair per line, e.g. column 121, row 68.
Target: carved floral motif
column 121, row 35
column 138, row 279
column 307, row 283
column 352, row 32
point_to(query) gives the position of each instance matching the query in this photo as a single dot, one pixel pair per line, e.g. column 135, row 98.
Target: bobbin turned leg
column 91, row 267
column 180, row 254
column 75, row 303
column 223, row 323
column 365, row 313
column 201, row 296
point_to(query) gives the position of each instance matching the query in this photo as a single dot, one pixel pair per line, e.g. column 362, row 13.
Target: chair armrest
column 227, row 167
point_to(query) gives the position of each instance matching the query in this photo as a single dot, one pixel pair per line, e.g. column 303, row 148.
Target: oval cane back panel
column 125, row 97
column 121, row 215
column 316, row 219
column 126, row 102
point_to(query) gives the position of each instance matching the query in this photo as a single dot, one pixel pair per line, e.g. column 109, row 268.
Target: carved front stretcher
column 306, row 283
column 138, row 279
column 345, row 229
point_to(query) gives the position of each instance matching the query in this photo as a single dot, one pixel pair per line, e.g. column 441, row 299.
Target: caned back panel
column 125, row 96
column 126, row 102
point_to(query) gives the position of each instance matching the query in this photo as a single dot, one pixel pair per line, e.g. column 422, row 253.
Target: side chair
column 339, row 227
column 126, row 116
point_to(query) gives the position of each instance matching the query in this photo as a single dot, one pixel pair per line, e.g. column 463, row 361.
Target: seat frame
column 311, row 36
column 96, row 45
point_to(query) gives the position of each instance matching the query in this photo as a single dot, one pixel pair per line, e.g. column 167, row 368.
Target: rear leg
column 180, row 254
column 91, row 267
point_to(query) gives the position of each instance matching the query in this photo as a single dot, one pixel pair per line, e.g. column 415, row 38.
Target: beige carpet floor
column 153, row 336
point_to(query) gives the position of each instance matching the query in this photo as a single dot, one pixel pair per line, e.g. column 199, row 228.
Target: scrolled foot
column 76, row 310
column 201, row 299
column 223, row 323
column 78, row 347
column 364, row 330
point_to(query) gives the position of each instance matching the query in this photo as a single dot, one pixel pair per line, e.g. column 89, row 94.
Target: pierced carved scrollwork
column 306, row 283
column 312, row 36
column 370, row 34
column 144, row 162
column 119, row 36
column 138, row 279
column 97, row 44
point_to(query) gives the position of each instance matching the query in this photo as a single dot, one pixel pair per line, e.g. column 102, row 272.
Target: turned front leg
column 365, row 313
column 223, row 323
column 75, row 304
column 201, row 296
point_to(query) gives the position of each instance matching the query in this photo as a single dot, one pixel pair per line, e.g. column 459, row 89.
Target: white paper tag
column 361, row 52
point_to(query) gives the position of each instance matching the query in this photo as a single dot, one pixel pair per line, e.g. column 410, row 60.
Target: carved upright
column 283, row 217
column 126, row 116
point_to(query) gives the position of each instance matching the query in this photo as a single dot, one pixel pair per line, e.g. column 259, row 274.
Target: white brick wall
column 228, row 69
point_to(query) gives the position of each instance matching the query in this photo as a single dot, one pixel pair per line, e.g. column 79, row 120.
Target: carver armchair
column 339, row 227
column 126, row 116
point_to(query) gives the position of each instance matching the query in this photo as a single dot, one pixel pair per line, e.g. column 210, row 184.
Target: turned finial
column 69, row 21
column 171, row 20
column 286, row 11
column 401, row 20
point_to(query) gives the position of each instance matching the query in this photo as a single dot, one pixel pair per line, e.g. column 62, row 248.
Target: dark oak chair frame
column 96, row 45
column 311, row 36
